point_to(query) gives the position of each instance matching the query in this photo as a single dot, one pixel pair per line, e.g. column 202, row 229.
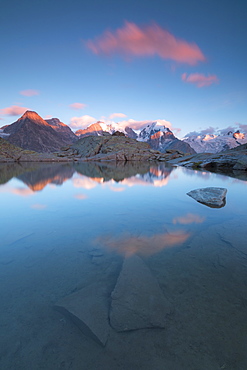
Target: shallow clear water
column 65, row 227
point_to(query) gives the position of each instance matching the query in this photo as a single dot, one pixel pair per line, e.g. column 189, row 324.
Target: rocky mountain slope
column 216, row 143
column 62, row 129
column 114, row 148
column 95, row 148
column 11, row 153
column 33, row 133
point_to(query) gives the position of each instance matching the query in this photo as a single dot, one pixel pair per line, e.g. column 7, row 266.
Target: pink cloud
column 117, row 115
column 200, row 80
column 29, row 92
column 243, row 127
column 131, row 40
column 38, row 206
column 77, row 106
column 82, row 122
column 14, row 110
column 80, row 196
column 139, row 125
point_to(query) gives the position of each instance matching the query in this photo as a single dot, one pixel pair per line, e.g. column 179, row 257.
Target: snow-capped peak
column 111, row 127
column 152, row 129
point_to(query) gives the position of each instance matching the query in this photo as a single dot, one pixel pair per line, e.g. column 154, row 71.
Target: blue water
column 64, row 227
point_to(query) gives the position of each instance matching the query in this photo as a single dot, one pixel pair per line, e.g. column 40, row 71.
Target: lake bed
column 66, row 227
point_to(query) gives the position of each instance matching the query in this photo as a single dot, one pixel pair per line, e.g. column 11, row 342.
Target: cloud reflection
column 38, row 206
column 24, row 192
column 132, row 181
column 142, row 245
column 84, row 182
column 116, row 189
column 190, row 218
column 80, row 196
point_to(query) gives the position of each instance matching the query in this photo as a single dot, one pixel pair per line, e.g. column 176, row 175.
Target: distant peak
column 31, row 115
column 53, row 120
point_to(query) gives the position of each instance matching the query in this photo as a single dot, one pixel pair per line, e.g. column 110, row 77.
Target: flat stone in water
column 88, row 309
column 137, row 300
column 211, row 197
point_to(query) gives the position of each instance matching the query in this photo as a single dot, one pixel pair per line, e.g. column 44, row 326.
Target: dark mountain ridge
column 32, row 132
column 63, row 129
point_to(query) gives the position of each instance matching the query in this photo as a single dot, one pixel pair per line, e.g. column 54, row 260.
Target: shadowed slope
column 32, row 132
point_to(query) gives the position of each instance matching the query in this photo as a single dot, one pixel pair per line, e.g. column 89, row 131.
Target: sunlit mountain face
column 93, row 130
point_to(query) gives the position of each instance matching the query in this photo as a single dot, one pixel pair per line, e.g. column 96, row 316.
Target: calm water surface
column 65, row 227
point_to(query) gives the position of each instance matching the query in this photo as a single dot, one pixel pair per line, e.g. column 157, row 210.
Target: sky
column 181, row 62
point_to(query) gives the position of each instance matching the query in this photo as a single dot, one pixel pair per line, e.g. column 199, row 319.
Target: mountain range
column 216, row 143
column 162, row 138
column 158, row 137
column 32, row 132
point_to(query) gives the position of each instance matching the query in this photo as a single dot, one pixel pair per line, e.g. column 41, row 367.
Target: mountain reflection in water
column 37, row 176
column 68, row 230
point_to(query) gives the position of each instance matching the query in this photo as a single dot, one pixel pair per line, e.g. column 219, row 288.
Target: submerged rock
column 88, row 309
column 137, row 300
column 211, row 197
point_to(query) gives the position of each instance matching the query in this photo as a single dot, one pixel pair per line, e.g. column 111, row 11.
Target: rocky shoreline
column 232, row 162
column 90, row 148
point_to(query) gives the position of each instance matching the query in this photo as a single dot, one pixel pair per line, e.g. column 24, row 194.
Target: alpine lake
column 113, row 266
